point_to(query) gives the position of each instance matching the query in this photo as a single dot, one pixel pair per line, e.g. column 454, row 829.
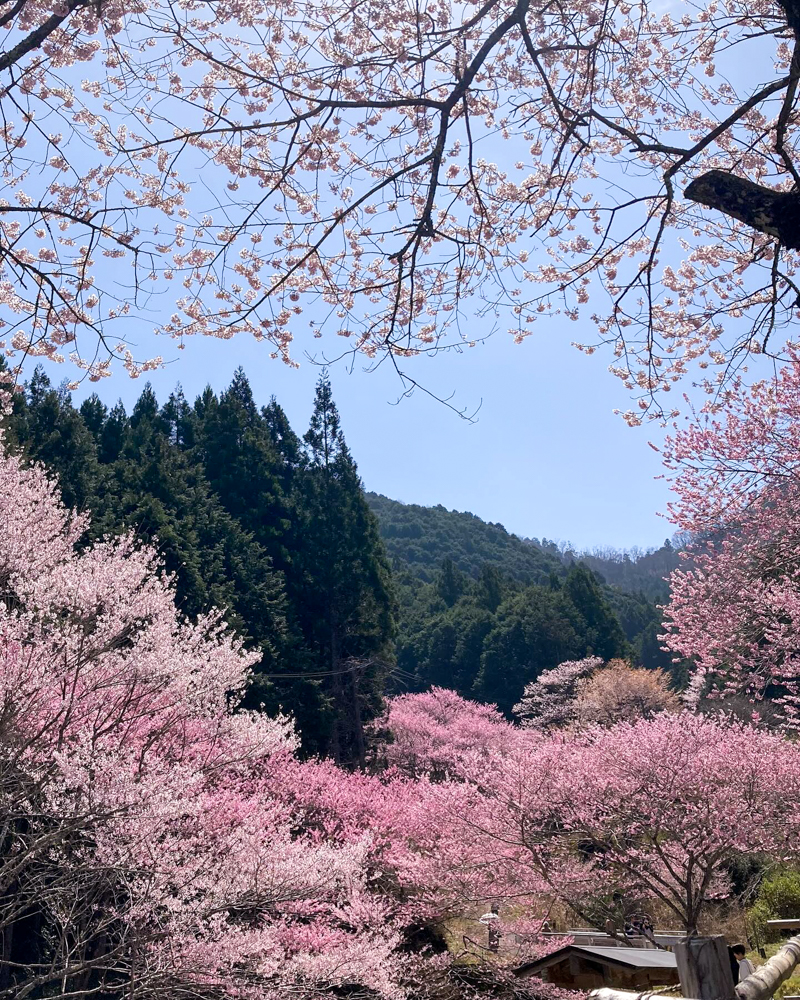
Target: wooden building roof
column 621, row 957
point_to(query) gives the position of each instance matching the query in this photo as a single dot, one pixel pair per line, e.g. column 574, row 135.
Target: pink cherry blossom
column 145, row 829
column 735, row 607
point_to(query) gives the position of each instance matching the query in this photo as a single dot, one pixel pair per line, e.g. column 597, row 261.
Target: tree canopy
column 391, row 171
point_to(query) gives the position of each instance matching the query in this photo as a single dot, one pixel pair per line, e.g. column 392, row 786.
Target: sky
column 545, row 456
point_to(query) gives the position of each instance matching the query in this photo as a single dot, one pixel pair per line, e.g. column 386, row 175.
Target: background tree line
column 276, row 528
column 484, row 612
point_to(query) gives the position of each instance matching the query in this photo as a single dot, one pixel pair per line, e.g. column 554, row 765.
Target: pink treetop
column 548, row 702
column 434, row 730
column 148, row 834
column 735, row 608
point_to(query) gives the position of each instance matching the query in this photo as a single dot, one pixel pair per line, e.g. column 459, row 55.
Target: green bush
column 777, row 899
column 791, row 988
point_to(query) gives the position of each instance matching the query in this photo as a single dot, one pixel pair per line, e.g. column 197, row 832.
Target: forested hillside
column 418, row 538
column 346, row 596
column 465, row 587
column 635, row 570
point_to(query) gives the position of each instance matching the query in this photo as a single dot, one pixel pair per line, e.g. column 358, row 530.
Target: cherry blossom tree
column 147, row 847
column 379, row 167
column 654, row 809
column 663, row 805
column 432, row 731
column 734, row 607
column 582, row 693
column 549, row 701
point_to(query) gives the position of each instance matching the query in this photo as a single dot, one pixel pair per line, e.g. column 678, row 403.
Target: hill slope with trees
column 417, row 539
column 458, row 577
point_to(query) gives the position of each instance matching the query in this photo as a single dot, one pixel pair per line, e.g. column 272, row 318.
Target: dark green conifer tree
column 450, row 582
column 491, row 587
column 347, row 604
column 233, row 443
column 112, row 434
column 46, row 428
column 605, row 635
column 534, row 631
column 159, row 491
column 251, row 461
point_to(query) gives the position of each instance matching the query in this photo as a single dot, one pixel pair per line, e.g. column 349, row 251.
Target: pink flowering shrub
column 433, row 730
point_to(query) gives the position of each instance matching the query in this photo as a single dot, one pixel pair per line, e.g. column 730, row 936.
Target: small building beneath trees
column 587, row 967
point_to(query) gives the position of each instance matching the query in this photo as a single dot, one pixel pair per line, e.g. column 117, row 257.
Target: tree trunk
column 358, row 724
column 704, row 968
column 338, row 695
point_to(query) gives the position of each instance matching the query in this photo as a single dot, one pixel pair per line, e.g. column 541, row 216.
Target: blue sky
column 545, row 457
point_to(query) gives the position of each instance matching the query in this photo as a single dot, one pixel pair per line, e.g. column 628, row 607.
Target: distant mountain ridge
column 419, row 538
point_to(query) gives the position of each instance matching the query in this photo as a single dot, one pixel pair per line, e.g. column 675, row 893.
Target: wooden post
column 704, row 968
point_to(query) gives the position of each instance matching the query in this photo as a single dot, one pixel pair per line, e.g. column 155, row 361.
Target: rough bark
column 704, row 968
column 776, row 213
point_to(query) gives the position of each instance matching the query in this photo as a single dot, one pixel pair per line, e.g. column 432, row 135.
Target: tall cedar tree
column 162, row 491
column 348, row 607
column 234, row 444
column 604, row 637
column 252, row 461
column 450, row 583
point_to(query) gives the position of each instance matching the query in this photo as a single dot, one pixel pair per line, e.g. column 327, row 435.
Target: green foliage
column 484, row 612
column 450, row 582
column 534, row 631
column 634, row 571
column 603, row 632
column 790, row 988
column 346, row 600
column 489, row 637
column 418, row 539
column 778, row 899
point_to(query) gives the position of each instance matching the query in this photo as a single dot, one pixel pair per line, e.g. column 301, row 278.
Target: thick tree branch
column 775, row 213
column 37, row 36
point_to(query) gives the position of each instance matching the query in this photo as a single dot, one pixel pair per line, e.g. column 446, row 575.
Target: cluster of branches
column 345, row 161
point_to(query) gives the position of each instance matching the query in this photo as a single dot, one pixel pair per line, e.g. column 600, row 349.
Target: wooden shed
column 587, row 967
